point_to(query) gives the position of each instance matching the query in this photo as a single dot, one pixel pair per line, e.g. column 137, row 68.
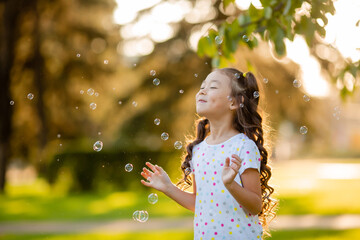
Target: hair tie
column 244, row 74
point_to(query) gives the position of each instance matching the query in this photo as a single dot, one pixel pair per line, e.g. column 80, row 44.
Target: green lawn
column 315, row 234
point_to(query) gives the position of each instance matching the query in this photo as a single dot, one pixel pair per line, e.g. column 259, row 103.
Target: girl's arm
column 159, row 180
column 248, row 196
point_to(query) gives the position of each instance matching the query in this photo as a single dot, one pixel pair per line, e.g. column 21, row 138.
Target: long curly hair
column 247, row 120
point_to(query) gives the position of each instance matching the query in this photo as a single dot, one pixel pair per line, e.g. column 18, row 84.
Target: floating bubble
column 90, row 91
column 164, row 136
column 30, row 96
column 78, row 55
column 181, row 91
column 134, row 65
column 241, row 105
column 98, row 145
column 134, row 103
column 187, row 171
column 129, row 167
column 81, row 91
column 256, row 94
column 178, row 145
column 156, row 81
column 303, row 130
column 276, row 91
column 157, row 121
column 306, row 98
column 59, row 135
column 245, row 38
column 12, row 102
column 76, row 107
column 218, row 40
column 196, row 75
column 99, row 133
column 297, row 83
column 60, row 144
column 266, row 80
column 237, row 75
column 120, row 102
column 96, row 94
column 141, row 216
column 337, row 112
column 153, row 198
column 229, row 98
column 152, row 72
column 93, row 106
column 106, row 61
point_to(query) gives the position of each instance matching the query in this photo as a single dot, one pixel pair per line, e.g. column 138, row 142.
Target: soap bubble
column 99, row 133
column 152, row 72
column 93, row 106
column 266, row 80
column 96, row 94
column 141, row 216
column 59, row 135
column 245, row 38
column 153, row 198
column 106, row 61
column 78, row 55
column 237, row 75
column 90, row 91
column 12, row 102
column 157, row 121
column 306, row 98
column 181, row 91
column 297, row 83
column 120, row 102
column 256, row 94
column 129, row 167
column 98, row 145
column 196, row 75
column 276, row 91
column 178, row 145
column 81, row 91
column 30, row 96
column 156, row 81
column 336, row 113
column 164, row 136
column 218, row 40
column 241, row 105
column 303, row 130
column 134, row 103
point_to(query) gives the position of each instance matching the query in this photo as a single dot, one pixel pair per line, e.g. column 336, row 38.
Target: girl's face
column 212, row 99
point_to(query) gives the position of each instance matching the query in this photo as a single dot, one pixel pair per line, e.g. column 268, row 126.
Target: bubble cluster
column 303, row 130
column 153, row 198
column 98, row 145
column 140, row 216
column 336, row 113
column 218, row 40
column 297, row 83
column 178, row 145
column 164, row 136
column 30, row 96
column 156, row 81
column 157, row 121
column 129, row 167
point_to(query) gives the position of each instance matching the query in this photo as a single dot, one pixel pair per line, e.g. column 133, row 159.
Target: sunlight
column 339, row 171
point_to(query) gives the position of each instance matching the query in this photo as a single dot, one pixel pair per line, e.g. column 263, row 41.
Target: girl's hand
column 157, row 178
column 229, row 171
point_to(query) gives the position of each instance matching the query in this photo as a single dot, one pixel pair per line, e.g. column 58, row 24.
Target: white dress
column 217, row 214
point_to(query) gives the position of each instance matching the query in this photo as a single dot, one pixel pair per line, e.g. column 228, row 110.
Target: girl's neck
column 212, row 139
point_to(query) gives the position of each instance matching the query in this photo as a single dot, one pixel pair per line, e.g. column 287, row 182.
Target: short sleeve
column 250, row 156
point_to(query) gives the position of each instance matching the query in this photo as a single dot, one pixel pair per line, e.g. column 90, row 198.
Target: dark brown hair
column 247, row 120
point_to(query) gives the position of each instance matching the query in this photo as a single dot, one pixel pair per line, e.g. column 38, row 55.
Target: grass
column 314, row 234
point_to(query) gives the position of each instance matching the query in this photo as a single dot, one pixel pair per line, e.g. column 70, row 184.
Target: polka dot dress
column 217, row 214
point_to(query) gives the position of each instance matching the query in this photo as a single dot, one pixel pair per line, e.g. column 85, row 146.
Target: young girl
column 226, row 163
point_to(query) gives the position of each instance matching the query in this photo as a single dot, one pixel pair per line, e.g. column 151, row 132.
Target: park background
column 55, row 186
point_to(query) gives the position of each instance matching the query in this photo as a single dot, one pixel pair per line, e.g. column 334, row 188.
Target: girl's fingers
column 237, row 163
column 145, row 183
column 227, row 162
column 236, row 157
column 144, row 175
column 152, row 167
column 147, row 171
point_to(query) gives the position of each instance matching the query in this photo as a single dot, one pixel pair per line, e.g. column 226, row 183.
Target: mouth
column 201, row 101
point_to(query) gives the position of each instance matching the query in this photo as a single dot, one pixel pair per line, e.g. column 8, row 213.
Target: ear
column 234, row 106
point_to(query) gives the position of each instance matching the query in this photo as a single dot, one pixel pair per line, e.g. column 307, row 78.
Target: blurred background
column 91, row 86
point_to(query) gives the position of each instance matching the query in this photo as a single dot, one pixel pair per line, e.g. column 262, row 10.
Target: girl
column 226, row 163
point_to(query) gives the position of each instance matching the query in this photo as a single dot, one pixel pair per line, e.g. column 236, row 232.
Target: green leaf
column 215, row 62
column 267, row 12
column 206, row 47
column 287, row 7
